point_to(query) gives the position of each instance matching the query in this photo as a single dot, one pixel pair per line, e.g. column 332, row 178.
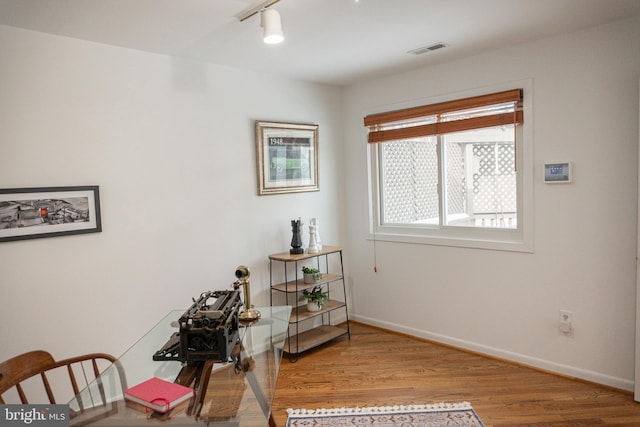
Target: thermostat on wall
column 557, row 173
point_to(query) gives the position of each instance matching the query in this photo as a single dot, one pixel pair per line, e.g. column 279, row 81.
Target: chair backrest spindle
column 23, row 398
column 72, row 378
column 47, row 388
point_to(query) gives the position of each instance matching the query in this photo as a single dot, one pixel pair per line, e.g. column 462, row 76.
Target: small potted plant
column 315, row 298
column 311, row 275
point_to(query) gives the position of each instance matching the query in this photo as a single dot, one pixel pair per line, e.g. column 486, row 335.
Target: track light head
column 270, row 22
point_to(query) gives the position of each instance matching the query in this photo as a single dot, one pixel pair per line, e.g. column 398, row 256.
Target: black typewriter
column 208, row 329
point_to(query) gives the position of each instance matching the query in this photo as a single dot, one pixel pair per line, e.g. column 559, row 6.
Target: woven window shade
column 410, row 122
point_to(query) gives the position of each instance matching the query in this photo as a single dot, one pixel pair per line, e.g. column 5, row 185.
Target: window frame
column 519, row 239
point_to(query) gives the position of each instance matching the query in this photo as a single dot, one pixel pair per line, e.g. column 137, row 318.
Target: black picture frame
column 38, row 212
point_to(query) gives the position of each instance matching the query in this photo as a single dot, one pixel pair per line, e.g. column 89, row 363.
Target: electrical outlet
column 566, row 316
column 565, row 321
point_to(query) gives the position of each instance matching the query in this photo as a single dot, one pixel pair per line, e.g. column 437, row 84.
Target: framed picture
column 32, row 213
column 287, row 157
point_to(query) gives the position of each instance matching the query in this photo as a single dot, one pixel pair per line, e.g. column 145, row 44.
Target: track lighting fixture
column 269, row 21
column 271, row 25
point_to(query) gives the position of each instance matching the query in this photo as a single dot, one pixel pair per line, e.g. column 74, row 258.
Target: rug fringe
column 379, row 409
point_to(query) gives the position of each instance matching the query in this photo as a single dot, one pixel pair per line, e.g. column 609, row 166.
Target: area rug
column 435, row 415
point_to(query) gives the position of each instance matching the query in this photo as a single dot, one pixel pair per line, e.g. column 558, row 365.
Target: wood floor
column 378, row 368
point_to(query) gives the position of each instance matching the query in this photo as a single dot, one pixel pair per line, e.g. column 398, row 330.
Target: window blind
column 496, row 109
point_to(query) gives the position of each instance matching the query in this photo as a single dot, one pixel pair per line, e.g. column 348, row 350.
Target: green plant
column 315, row 295
column 311, row 274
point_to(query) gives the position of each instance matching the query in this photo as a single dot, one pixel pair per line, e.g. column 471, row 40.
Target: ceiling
column 327, row 41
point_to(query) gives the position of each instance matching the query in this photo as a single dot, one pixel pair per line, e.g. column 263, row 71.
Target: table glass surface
column 232, row 398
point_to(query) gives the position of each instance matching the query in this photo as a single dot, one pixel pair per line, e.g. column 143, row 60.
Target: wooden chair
column 19, row 373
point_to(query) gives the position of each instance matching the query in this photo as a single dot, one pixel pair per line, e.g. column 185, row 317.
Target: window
column 446, row 172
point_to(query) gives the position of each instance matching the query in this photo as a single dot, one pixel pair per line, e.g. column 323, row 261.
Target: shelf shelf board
column 287, row 257
column 291, row 285
column 303, row 314
column 313, row 338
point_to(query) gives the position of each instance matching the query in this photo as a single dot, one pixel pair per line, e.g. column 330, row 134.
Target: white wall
column 171, row 144
column 585, row 109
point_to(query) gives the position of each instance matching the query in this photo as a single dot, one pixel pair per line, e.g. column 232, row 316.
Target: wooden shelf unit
column 300, row 339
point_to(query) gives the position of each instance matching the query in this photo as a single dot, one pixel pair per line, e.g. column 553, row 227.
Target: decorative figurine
column 313, row 244
column 316, row 222
column 296, row 242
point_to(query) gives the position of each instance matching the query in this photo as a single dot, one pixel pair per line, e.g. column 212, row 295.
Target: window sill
column 502, row 240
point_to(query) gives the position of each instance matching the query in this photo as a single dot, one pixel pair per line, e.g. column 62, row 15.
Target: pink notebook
column 158, row 394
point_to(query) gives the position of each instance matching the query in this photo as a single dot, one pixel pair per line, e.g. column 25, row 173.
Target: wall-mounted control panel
column 557, row 173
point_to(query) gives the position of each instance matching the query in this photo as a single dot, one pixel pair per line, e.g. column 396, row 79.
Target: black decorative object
column 208, row 330
column 296, row 242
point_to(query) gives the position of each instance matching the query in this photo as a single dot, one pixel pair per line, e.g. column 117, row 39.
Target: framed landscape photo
column 287, row 157
column 31, row 213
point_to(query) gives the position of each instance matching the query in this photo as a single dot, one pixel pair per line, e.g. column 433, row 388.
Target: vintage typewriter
column 208, row 330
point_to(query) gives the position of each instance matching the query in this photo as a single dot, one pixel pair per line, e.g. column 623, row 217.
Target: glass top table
column 236, row 394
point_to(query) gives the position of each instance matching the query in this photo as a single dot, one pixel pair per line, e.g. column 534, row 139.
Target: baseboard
column 534, row 362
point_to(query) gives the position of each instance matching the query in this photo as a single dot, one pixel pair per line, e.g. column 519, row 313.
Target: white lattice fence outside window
column 410, row 175
column 411, row 181
column 494, row 183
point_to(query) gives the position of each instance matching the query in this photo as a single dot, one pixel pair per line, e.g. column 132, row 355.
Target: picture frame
column 287, row 157
column 32, row 213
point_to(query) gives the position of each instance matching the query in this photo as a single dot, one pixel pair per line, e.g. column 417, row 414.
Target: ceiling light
column 270, row 22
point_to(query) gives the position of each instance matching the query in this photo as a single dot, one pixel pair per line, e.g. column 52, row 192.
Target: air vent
column 430, row 48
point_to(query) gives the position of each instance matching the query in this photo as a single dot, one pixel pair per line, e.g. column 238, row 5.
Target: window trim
column 517, row 240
